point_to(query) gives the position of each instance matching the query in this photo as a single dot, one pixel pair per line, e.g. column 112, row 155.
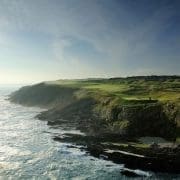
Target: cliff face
column 43, row 95
column 145, row 118
column 154, row 119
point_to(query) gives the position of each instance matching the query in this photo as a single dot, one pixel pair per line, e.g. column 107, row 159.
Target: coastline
column 104, row 128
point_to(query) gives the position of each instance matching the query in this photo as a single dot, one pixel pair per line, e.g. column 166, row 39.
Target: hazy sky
column 54, row 39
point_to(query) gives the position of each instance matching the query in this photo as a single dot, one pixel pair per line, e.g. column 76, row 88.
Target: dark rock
column 129, row 173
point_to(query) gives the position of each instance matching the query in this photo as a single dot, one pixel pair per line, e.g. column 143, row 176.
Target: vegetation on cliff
column 133, row 106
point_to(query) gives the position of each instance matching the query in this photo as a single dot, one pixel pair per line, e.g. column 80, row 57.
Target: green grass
column 178, row 140
column 135, row 91
column 110, row 88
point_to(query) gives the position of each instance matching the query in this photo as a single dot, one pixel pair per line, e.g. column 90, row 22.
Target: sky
column 68, row 39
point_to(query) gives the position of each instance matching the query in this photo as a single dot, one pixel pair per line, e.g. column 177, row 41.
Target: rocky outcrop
column 148, row 119
column 157, row 160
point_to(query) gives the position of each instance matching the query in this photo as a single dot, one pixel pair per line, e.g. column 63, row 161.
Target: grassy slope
column 127, row 90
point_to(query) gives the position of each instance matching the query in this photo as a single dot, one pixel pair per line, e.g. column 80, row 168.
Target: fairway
column 135, row 90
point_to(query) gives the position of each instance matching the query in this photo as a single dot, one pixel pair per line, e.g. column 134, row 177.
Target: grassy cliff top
column 131, row 89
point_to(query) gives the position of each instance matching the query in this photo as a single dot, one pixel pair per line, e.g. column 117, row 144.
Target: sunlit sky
column 55, row 39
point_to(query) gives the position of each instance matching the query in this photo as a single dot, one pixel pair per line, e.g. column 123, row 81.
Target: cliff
column 138, row 106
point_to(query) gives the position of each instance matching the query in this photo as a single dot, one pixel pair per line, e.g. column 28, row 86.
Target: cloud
column 87, row 20
column 121, row 37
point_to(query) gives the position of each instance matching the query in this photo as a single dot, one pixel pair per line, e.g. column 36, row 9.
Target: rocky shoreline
column 119, row 148
column 160, row 160
column 153, row 158
column 111, row 122
column 102, row 144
